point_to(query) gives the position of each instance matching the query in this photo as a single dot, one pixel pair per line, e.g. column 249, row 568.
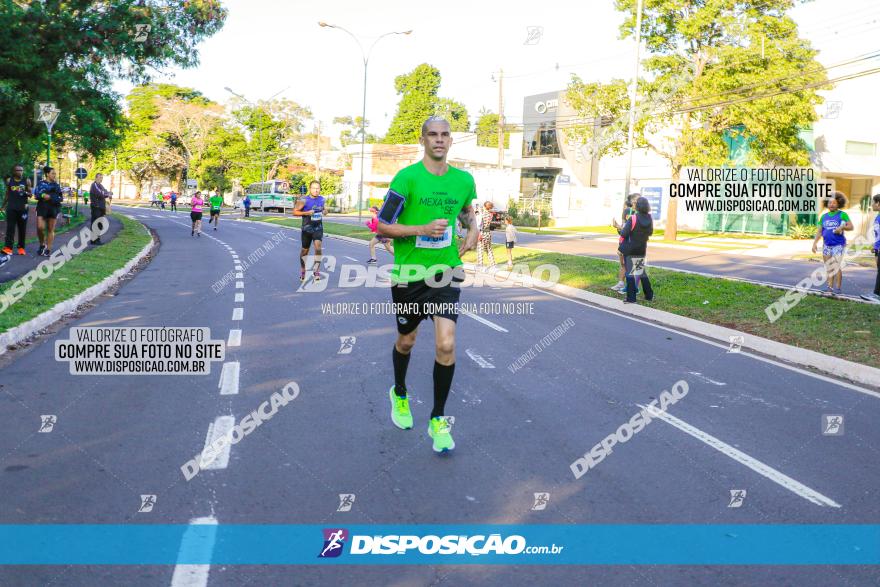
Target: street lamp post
column 366, row 58
column 262, row 153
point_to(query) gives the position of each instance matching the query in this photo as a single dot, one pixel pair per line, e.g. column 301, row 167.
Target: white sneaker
column 618, row 286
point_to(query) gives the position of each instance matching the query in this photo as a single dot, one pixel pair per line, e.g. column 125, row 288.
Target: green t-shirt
column 216, row 202
column 429, row 197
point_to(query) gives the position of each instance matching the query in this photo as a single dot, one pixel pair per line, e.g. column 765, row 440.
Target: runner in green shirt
column 216, row 203
column 425, row 281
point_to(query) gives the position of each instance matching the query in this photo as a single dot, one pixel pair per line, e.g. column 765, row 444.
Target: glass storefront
column 539, row 140
column 536, row 187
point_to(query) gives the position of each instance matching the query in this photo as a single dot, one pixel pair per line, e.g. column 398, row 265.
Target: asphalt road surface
column 119, row 437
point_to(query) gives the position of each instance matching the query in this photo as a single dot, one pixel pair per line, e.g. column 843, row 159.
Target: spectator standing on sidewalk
column 634, row 248
column 18, row 190
column 485, row 243
column 509, row 240
column 247, row 206
column 875, row 234
column 49, row 198
column 99, row 195
column 628, row 210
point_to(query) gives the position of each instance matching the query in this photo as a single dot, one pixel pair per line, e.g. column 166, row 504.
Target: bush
column 802, row 231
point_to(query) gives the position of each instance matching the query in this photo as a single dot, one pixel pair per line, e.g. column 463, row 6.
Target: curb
column 804, row 358
column 24, row 331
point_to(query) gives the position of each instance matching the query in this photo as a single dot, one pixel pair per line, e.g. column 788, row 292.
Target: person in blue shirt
column 311, row 210
column 875, row 206
column 247, row 206
column 49, row 198
column 832, row 225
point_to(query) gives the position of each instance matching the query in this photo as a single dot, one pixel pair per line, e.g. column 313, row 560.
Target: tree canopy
column 418, row 91
column 70, row 52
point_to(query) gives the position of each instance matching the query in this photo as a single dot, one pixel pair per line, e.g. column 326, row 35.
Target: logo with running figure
column 147, row 503
column 737, row 497
column 832, row 425
column 541, row 501
column 346, row 500
column 47, row 423
column 334, row 541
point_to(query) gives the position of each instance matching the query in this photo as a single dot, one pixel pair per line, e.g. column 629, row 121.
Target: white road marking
column 234, row 338
column 239, row 297
column 239, row 285
column 484, row 321
column 228, row 383
column 196, row 543
column 239, row 268
column 239, row 275
column 351, row 258
column 237, row 313
column 716, row 344
column 742, row 458
column 479, row 360
column 219, row 428
column 706, row 379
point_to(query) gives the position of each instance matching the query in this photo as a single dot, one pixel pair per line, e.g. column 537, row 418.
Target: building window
column 860, row 148
column 539, row 140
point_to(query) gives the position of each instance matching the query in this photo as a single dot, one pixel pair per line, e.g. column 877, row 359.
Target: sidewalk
column 19, row 265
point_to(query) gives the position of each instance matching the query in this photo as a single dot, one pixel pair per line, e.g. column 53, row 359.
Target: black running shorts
column 418, row 300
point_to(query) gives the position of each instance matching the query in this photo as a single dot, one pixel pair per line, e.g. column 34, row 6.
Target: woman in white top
column 510, row 239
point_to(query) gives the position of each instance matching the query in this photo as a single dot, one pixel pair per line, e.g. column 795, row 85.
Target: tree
column 486, row 129
column 418, row 90
column 351, row 133
column 70, row 52
column 720, row 68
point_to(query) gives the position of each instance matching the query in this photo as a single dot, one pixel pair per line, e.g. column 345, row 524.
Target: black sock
column 442, row 384
column 401, row 363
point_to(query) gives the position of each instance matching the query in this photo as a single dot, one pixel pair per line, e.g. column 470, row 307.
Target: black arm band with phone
column 391, row 207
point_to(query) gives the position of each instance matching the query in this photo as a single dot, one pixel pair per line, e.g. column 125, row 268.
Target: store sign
column 543, row 106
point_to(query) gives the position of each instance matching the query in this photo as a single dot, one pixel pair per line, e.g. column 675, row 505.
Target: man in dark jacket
column 49, row 198
column 18, row 190
column 98, row 195
column 635, row 233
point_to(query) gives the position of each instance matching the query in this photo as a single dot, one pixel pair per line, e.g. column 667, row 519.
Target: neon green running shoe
column 440, row 432
column 400, row 414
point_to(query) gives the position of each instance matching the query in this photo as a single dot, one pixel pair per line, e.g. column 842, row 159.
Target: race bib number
column 316, row 216
column 435, row 242
column 638, row 266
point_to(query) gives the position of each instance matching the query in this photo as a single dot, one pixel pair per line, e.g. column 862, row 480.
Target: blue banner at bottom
column 209, row 543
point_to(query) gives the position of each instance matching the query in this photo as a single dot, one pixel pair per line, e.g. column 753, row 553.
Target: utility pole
column 632, row 101
column 318, row 151
column 501, row 119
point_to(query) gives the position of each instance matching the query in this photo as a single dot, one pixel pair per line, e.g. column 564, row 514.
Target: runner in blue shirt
column 832, row 225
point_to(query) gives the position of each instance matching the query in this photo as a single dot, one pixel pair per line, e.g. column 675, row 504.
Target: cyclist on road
column 311, row 210
column 436, row 194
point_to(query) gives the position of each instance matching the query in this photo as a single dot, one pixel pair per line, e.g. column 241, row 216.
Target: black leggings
column 877, row 282
column 15, row 219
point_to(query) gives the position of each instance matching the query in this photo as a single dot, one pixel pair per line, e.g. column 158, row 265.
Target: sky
column 271, row 45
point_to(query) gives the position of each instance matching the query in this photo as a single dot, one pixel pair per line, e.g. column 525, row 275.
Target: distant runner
column 311, row 209
column 216, row 205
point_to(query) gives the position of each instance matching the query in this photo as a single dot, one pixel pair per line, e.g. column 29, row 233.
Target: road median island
column 73, row 281
column 735, row 305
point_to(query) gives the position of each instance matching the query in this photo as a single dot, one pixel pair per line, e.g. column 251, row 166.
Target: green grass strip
column 77, row 275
